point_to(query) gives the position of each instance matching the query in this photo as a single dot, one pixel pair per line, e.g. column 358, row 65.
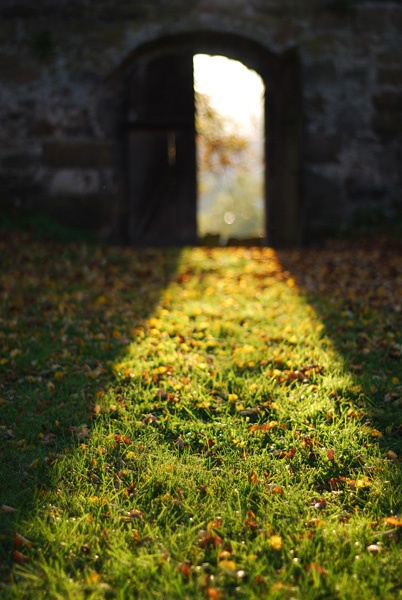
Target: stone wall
column 62, row 100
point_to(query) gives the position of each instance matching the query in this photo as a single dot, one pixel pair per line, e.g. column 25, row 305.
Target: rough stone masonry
column 65, row 68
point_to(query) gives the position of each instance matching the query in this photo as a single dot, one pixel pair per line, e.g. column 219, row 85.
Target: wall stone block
column 321, row 73
column 371, row 20
column 19, row 161
column 320, row 191
column 388, row 124
column 390, row 76
column 321, row 149
column 82, row 182
column 41, row 128
column 389, row 101
column 396, row 19
column 15, row 70
column 391, row 57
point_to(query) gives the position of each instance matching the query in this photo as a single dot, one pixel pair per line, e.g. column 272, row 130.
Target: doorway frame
column 283, row 119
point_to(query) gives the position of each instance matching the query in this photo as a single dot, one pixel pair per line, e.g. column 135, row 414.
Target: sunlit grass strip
column 217, row 429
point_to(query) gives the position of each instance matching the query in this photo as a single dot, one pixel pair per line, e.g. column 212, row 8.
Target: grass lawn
column 211, row 423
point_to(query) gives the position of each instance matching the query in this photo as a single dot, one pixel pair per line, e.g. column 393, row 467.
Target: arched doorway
column 160, row 134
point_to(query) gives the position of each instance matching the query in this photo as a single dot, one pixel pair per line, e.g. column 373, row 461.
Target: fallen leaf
column 392, row 455
column 93, row 578
column 80, row 431
column 150, row 418
column 363, row 482
column 18, row 557
column 8, row 509
column 20, row 540
column 122, row 439
column 253, row 477
column 229, row 566
column 184, row 570
column 207, row 539
column 49, row 439
column 214, row 524
column 393, row 521
column 276, row 542
column 275, row 489
column 316, row 568
column 135, row 514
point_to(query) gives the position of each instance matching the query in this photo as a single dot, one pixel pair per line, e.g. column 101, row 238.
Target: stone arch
column 156, row 135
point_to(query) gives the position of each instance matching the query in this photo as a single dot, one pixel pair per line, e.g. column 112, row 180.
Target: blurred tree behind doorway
column 230, row 155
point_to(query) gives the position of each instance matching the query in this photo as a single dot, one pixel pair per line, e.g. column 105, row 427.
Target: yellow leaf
column 228, row 565
column 253, row 477
column 276, row 489
column 393, row 521
column 362, row 483
column 93, row 577
column 276, row 542
column 375, row 433
column 97, row 500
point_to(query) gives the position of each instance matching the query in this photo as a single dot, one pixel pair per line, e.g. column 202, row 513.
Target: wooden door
column 162, row 154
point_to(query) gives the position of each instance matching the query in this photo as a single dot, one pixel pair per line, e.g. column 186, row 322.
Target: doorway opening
column 159, row 191
column 229, row 119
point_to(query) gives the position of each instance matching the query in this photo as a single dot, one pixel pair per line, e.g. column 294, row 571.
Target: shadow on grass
column 67, row 313
column 355, row 289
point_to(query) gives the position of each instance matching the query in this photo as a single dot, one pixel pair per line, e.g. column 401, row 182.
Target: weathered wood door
column 162, row 154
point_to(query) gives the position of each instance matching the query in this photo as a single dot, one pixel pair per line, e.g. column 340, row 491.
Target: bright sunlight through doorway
column 230, row 150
